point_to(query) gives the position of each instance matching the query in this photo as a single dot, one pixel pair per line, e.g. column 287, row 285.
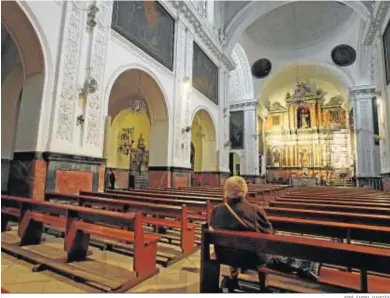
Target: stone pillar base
column 371, row 182
column 210, row 178
column 34, row 173
column 169, row 177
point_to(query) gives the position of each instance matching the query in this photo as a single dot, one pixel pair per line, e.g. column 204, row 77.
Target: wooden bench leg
column 76, row 245
column 4, row 222
column 363, row 281
column 210, row 277
column 263, row 281
column 30, row 231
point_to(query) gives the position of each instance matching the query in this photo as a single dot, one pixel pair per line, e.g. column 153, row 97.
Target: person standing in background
column 110, row 179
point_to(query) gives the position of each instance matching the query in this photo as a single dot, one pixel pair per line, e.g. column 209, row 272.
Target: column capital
column 362, row 92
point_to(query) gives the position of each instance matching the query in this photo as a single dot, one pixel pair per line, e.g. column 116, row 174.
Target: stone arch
column 24, row 82
column 139, row 120
column 241, row 84
column 203, row 136
column 253, row 10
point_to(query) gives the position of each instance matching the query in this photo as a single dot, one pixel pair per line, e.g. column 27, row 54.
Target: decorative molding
column 70, row 57
column 97, row 69
column 276, row 107
column 243, row 105
column 241, row 80
column 202, row 33
column 360, row 92
column 374, row 26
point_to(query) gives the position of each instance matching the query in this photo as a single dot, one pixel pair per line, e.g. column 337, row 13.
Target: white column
column 250, row 153
column 186, row 118
column 223, row 126
column 93, row 134
column 363, row 121
column 181, row 97
column 264, row 157
column 251, row 142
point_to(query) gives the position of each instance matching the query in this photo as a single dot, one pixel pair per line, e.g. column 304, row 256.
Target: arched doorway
column 138, row 134
column 203, row 139
column 23, row 79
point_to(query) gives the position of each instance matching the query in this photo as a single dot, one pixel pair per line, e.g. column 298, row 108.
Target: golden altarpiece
column 307, row 136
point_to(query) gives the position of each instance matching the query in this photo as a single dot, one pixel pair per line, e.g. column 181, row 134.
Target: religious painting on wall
column 237, row 129
column 149, row 26
column 303, row 116
column 386, row 45
column 205, row 75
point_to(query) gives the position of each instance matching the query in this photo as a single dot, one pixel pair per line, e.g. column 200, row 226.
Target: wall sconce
column 80, row 120
column 90, row 87
column 187, row 129
column 225, row 114
column 93, row 10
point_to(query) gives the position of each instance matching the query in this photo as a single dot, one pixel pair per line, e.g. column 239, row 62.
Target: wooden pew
column 332, row 229
column 167, row 195
column 345, row 197
column 348, row 217
column 196, row 208
column 357, row 218
column 336, row 202
column 77, row 223
column 187, row 230
column 340, row 230
column 243, row 243
column 331, row 207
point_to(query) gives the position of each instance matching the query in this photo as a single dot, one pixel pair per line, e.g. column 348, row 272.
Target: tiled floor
column 17, row 275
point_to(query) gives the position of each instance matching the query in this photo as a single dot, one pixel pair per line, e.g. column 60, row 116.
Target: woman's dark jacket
column 253, row 216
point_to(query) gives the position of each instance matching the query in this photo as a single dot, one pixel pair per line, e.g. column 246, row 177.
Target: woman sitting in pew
column 239, row 215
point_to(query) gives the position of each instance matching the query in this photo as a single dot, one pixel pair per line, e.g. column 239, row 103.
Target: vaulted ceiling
column 271, row 22
column 299, row 25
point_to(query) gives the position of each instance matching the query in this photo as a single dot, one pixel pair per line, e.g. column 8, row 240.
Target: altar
column 303, row 181
column 307, row 137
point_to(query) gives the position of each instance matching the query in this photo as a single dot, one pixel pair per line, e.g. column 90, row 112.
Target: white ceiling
column 315, row 22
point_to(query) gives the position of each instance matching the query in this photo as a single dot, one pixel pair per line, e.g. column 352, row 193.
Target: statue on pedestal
column 303, row 117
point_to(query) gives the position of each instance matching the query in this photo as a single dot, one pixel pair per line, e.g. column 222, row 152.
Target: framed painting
column 205, row 75
column 237, row 130
column 147, row 25
column 386, row 45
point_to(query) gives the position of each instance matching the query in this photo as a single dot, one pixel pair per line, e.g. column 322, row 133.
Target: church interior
column 129, row 129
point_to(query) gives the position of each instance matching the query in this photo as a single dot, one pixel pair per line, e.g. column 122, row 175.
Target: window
column 375, row 118
column 386, row 46
column 275, row 120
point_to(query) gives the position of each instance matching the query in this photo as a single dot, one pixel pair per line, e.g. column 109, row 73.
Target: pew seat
column 351, row 280
column 240, row 244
